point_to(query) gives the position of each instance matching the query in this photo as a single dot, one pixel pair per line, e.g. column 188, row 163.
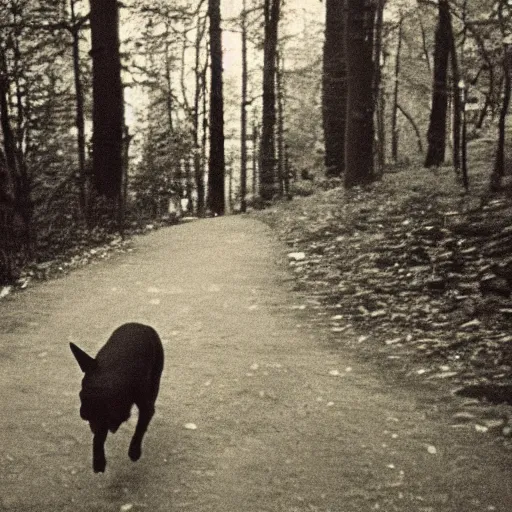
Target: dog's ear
column 85, row 361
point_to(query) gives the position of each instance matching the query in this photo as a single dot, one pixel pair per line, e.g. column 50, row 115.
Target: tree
column 216, row 200
column 243, row 113
column 334, row 88
column 394, row 111
column 268, row 172
column 199, row 91
column 359, row 38
column 436, row 134
column 108, row 105
column 282, row 170
column 379, row 97
column 499, row 164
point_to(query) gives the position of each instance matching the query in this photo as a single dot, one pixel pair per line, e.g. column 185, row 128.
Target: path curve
column 284, row 421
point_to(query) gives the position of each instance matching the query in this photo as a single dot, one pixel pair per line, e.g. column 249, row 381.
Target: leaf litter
column 413, row 271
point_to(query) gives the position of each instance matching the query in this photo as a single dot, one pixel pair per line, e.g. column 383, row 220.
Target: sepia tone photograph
column 255, row 255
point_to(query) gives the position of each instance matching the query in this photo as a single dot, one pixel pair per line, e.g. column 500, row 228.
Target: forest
column 116, row 116
column 309, row 202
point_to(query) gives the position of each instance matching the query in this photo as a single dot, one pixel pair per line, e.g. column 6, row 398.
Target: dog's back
column 131, row 360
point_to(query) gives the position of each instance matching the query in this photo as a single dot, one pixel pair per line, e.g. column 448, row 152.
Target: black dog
column 126, row 371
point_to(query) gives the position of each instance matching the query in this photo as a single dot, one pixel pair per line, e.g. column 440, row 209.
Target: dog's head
column 99, row 404
column 102, row 410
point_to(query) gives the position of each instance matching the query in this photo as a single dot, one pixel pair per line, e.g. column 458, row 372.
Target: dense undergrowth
column 62, row 248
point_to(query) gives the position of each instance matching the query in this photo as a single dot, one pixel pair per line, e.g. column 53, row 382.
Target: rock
column 472, row 323
column 463, row 417
column 296, row 256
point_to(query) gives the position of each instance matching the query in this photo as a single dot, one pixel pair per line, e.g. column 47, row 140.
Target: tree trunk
column 436, row 135
column 199, row 90
column 334, row 88
column 394, row 115
column 268, row 173
column 414, row 127
column 204, row 139
column 499, row 164
column 255, row 160
column 127, row 138
column 108, row 115
column 243, row 116
column 360, row 93
column 281, row 161
column 216, row 199
column 379, row 96
column 458, row 104
column 80, row 118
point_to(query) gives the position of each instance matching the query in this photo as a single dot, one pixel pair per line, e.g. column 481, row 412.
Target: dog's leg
column 99, row 461
column 146, row 411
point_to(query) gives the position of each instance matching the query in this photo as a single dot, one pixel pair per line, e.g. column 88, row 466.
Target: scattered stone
column 297, row 256
column 472, row 323
column 463, row 417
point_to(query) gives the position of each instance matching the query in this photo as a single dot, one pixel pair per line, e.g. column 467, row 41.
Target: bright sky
column 302, row 10
column 232, row 8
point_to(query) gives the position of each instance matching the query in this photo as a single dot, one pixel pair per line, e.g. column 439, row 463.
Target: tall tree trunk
column 108, row 106
column 436, row 135
column 394, row 114
column 268, row 188
column 281, row 160
column 334, row 88
column 458, row 105
column 216, row 199
column 199, row 90
column 499, row 164
column 243, row 114
column 80, row 117
column 359, row 26
column 379, row 89
column 127, row 138
column 204, row 133
column 255, row 160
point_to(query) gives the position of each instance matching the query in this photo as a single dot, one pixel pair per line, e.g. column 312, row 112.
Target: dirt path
column 284, row 423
